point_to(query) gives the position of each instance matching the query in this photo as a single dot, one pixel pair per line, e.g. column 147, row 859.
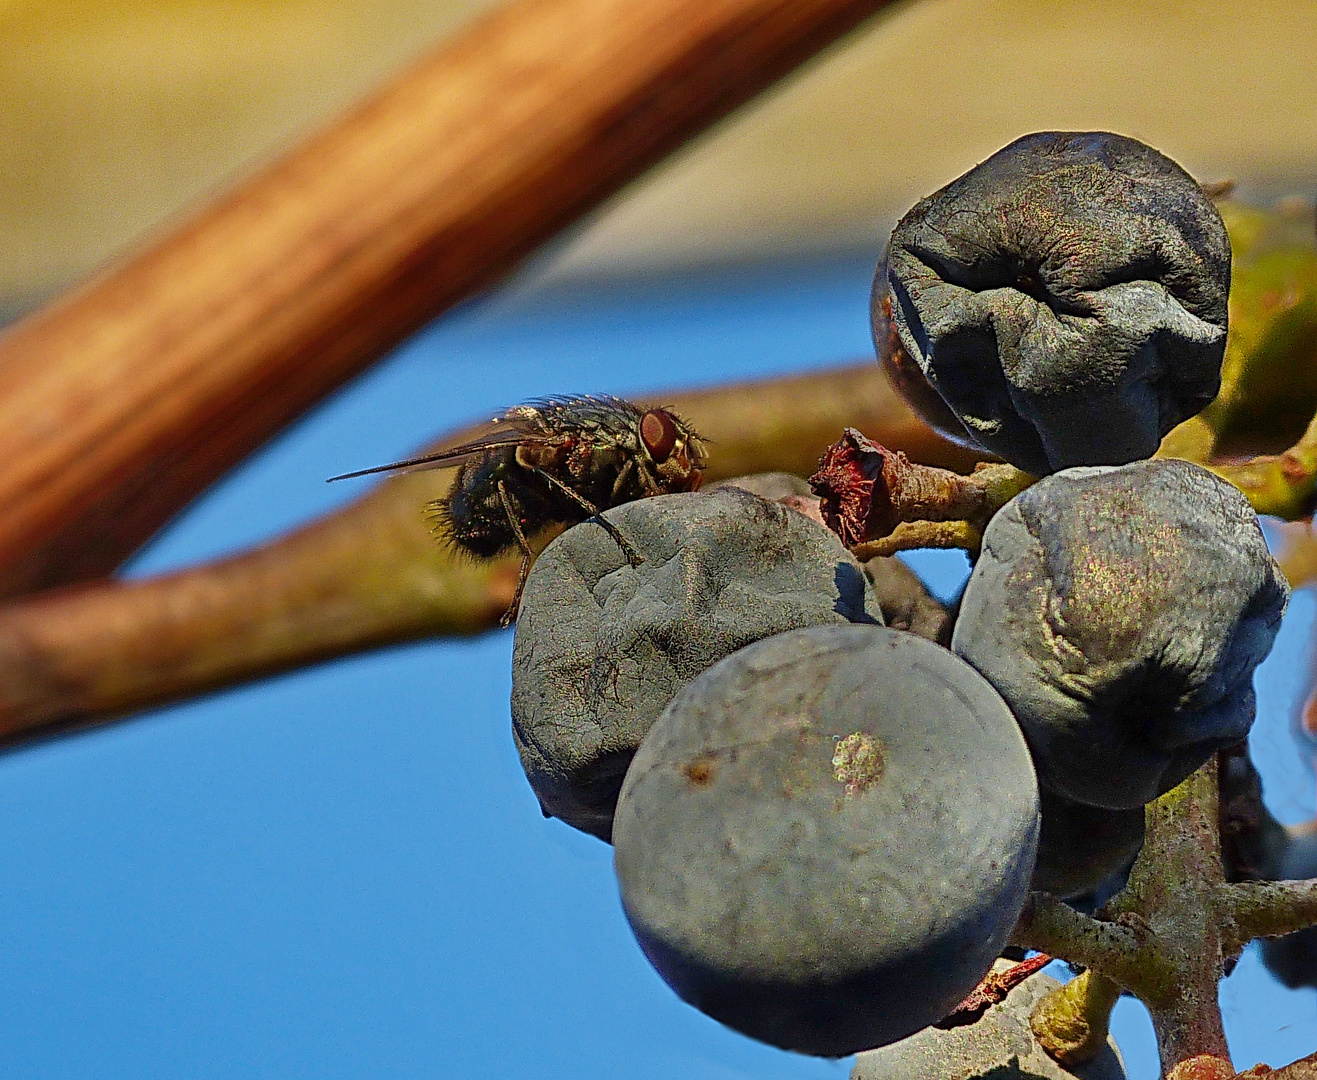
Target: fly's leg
column 628, row 467
column 506, row 500
column 632, row 556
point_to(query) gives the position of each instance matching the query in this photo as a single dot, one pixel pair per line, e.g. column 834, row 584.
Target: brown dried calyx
column 868, row 493
column 993, row 990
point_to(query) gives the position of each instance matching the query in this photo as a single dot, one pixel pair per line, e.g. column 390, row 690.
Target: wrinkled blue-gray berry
column 827, row 837
column 1082, row 847
column 601, row 646
column 1065, row 300
column 1293, row 958
column 905, row 601
column 1121, row 613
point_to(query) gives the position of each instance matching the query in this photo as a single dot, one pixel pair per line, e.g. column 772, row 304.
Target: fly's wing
column 512, row 430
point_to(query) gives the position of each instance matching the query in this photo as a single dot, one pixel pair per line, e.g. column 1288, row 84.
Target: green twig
column 1071, row 1022
column 1049, row 925
column 1167, row 936
column 1270, row 908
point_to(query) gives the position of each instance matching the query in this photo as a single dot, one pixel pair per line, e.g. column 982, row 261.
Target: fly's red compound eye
column 658, row 432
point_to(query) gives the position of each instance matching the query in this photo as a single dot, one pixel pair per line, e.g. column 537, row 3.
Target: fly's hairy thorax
column 594, row 464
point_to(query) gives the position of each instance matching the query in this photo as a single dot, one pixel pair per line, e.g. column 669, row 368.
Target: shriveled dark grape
column 768, row 485
column 906, row 603
column 1081, row 847
column 1293, row 958
column 827, row 837
column 1121, row 613
column 998, row 1046
column 1065, row 300
column 1253, row 842
column 601, row 646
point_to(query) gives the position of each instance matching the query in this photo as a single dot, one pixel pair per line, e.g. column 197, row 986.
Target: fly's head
column 670, row 451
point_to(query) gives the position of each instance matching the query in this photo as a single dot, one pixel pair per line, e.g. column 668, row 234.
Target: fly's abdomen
column 475, row 516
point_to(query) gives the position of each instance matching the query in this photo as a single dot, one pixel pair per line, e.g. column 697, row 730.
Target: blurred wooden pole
column 122, row 402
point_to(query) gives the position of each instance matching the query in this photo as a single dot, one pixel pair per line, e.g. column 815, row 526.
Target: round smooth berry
column 826, row 838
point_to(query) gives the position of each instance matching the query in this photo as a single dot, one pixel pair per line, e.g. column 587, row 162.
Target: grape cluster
column 827, row 807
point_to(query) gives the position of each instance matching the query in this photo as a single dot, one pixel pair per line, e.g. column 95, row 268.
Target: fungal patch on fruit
column 858, row 762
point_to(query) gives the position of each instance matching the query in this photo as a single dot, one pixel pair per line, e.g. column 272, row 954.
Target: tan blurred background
column 117, row 114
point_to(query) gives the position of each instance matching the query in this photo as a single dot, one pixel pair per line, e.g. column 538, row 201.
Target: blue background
column 342, row 872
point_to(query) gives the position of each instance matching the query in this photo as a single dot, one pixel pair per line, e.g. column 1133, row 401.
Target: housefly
column 556, row 460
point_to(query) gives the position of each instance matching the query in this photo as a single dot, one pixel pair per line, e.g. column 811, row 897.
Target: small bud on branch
column 1071, row 1022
